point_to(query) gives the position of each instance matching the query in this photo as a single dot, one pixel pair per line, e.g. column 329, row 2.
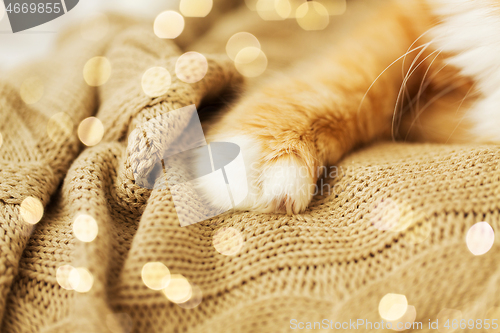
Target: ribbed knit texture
column 333, row 261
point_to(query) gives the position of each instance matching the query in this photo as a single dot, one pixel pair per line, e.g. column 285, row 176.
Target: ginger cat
column 421, row 70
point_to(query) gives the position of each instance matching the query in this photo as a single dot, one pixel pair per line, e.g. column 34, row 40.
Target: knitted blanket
column 393, row 218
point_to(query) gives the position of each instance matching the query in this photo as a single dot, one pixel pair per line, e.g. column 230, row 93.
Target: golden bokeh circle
column 251, row 62
column 312, row 15
column 85, row 228
column 194, row 300
column 97, row 71
column 81, row 280
column 294, row 5
column 407, row 319
column 195, row 8
column 32, row 90
column 62, row 276
column 228, row 241
column 31, row 210
column 95, row 27
column 392, row 306
column 155, row 275
column 1, row 140
column 392, row 215
column 60, row 127
column 273, row 10
column 283, row 8
column 179, row 290
column 191, row 67
column 168, row 24
column 156, row 81
column 90, row 131
column 385, row 215
column 418, row 233
column 480, row 238
column 239, row 41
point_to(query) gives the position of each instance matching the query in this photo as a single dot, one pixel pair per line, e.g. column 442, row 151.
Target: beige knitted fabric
column 336, row 261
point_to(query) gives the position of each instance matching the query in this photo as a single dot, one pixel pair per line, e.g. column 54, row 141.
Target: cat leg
column 313, row 114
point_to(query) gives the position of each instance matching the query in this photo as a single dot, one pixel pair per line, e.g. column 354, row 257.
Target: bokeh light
column 228, row 241
column 191, row 67
column 283, row 8
column 251, row 62
column 1, row 140
column 294, row 4
column 406, row 320
column 272, row 10
column 480, row 238
column 239, row 41
column 97, row 71
column 156, row 81
column 60, row 127
column 95, row 27
column 90, row 131
column 392, row 306
column 169, row 24
column 385, row 215
column 448, row 314
column 31, row 210
column 195, row 8
column 392, row 215
column 155, row 275
column 62, row 276
column 32, row 90
column 81, row 280
column 194, row 300
column 179, row 289
column 312, row 15
column 85, row 228
column 120, row 322
column 418, row 233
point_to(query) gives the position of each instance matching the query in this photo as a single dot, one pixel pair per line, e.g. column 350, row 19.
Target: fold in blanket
column 333, row 262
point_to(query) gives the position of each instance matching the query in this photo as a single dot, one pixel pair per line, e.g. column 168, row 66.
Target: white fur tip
column 281, row 185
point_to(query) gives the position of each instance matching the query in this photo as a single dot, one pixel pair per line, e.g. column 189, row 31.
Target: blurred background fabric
column 38, row 41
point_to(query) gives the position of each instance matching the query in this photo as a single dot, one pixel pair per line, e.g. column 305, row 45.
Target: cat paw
column 272, row 180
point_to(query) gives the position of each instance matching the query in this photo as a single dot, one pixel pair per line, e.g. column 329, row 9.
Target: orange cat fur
column 388, row 69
